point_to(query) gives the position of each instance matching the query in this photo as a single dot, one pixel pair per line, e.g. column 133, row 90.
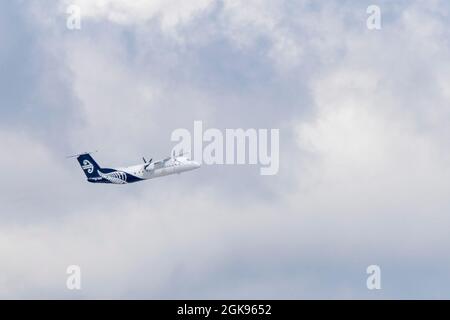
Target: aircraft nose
column 196, row 165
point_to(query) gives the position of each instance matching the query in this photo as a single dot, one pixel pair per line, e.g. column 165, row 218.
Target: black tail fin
column 89, row 166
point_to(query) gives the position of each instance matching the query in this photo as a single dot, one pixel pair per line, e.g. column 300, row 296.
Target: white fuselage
column 161, row 168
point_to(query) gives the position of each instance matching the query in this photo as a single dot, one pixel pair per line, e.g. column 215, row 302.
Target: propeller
column 147, row 163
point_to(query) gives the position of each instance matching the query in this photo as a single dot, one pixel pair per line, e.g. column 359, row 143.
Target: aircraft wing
column 161, row 162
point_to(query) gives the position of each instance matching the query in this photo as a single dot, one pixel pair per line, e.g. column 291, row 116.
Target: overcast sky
column 364, row 119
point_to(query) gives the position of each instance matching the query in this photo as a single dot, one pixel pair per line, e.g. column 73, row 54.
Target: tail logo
column 87, row 165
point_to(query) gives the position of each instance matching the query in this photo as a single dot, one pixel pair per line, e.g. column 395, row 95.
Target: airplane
column 136, row 173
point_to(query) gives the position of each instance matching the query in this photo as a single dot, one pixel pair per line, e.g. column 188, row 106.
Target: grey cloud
column 364, row 163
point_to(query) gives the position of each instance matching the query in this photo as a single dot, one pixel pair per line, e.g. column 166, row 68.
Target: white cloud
column 376, row 162
column 244, row 22
column 171, row 13
column 170, row 16
column 248, row 22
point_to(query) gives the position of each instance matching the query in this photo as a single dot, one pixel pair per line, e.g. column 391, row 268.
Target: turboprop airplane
column 140, row 172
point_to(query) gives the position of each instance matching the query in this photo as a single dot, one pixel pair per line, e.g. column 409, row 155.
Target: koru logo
column 88, row 166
